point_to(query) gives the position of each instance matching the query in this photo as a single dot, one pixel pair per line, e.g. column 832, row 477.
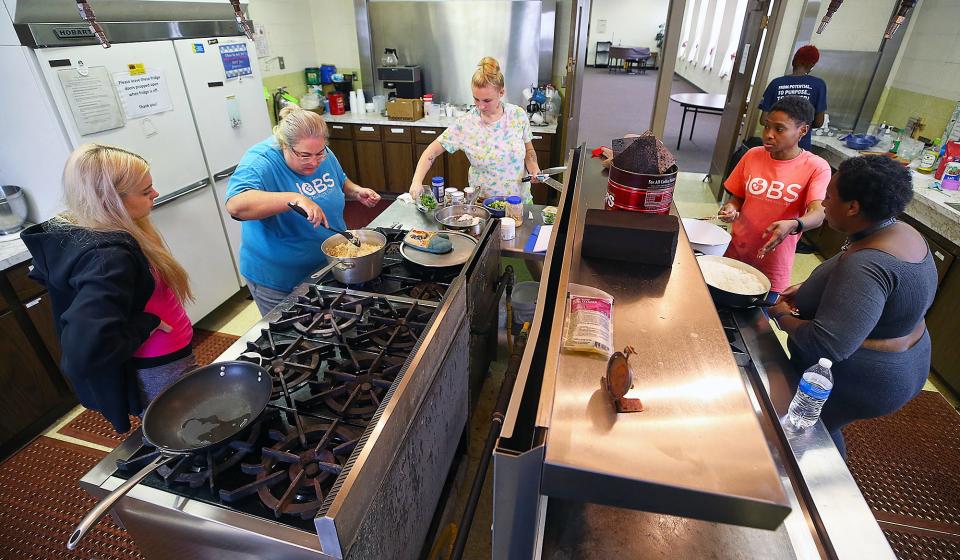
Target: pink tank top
column 164, row 304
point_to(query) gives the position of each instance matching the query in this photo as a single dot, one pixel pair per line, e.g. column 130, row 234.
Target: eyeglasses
column 306, row 156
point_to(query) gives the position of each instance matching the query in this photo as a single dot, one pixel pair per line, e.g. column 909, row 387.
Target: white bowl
column 709, row 239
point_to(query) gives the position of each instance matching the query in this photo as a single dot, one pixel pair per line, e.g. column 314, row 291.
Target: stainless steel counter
column 707, row 454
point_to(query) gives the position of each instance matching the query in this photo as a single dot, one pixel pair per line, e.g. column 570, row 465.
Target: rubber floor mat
column 41, row 502
column 907, row 466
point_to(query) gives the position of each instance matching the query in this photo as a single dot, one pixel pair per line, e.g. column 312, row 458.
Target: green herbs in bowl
column 427, row 202
column 498, row 205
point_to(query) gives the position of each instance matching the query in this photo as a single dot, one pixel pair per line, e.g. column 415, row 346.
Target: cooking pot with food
column 468, row 218
column 733, row 283
column 352, row 264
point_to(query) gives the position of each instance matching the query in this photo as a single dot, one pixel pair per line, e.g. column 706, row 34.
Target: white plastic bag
column 588, row 326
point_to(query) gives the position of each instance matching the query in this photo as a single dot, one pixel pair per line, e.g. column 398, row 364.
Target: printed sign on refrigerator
column 143, row 94
column 91, row 98
column 236, row 61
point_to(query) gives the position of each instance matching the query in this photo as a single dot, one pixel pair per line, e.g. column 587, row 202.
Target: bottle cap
column 514, row 199
column 437, row 180
column 826, row 363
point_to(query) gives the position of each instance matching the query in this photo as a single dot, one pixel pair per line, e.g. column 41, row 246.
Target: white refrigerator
column 191, row 111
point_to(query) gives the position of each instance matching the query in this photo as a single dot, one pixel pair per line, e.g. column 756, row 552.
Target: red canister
column 638, row 192
column 337, row 105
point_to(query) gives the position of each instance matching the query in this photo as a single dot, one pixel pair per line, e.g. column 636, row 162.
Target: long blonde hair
column 95, row 180
column 488, row 74
column 297, row 123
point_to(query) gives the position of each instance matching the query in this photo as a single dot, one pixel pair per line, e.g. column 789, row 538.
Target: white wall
column 33, row 145
column 290, row 32
column 7, row 35
column 630, row 23
column 335, row 33
column 857, row 26
column 931, row 59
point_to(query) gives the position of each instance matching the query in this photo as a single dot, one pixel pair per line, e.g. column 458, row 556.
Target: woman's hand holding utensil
column 309, row 210
column 303, row 212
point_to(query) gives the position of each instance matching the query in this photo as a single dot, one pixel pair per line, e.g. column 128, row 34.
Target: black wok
column 726, row 298
column 205, row 408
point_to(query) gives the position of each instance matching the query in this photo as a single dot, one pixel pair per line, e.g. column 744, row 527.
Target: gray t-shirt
column 866, row 294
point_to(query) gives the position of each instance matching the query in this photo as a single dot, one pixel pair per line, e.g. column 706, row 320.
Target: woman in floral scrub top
column 495, row 136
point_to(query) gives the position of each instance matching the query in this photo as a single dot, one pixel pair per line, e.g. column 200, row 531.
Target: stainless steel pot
column 356, row 270
column 13, row 209
column 446, row 217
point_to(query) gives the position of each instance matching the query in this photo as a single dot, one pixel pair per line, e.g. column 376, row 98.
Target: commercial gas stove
column 370, row 400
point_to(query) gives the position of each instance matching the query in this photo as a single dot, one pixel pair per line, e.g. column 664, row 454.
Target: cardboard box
column 405, row 109
column 630, row 236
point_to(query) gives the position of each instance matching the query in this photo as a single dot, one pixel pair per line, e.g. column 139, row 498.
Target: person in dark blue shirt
column 279, row 248
column 800, row 83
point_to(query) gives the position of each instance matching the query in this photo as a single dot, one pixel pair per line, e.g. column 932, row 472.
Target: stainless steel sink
column 954, row 205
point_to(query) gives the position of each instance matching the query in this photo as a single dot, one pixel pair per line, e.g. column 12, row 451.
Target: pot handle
column 94, row 515
column 344, row 265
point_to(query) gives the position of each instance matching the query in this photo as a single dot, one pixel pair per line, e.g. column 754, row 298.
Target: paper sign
column 198, row 48
column 92, row 99
column 144, row 94
column 233, row 112
column 260, row 38
column 236, row 61
column 136, row 69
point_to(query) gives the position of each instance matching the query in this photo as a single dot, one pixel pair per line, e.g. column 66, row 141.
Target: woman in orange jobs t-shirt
column 775, row 191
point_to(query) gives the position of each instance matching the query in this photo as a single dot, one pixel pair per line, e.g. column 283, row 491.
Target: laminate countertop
column 929, row 205
column 12, row 252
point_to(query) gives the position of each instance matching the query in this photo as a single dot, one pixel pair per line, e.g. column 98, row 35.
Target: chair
column 603, row 48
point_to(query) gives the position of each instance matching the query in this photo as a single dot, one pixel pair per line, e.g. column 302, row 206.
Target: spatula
column 350, row 237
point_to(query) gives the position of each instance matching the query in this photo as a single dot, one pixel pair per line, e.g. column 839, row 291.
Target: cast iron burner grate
column 321, row 315
column 354, row 385
column 295, row 474
column 290, row 362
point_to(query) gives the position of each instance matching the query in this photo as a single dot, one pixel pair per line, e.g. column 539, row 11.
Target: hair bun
column 290, row 108
column 489, row 66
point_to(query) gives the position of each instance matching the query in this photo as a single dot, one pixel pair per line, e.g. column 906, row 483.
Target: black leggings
column 868, row 384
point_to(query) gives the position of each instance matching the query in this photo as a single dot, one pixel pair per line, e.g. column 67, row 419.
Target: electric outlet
column 280, row 61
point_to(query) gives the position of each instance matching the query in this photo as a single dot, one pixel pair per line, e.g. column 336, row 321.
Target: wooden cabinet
column 942, row 258
column 341, row 142
column 370, row 168
column 943, row 322
column 26, row 390
column 398, row 157
column 33, row 393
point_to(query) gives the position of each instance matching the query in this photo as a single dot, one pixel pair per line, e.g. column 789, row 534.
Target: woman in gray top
column 864, row 307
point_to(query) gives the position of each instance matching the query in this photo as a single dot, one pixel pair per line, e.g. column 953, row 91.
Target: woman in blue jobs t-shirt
column 280, row 248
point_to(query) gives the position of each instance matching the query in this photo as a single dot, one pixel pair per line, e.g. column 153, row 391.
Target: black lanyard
column 867, row 232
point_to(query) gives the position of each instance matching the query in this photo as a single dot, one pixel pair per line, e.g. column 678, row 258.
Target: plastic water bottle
column 813, row 391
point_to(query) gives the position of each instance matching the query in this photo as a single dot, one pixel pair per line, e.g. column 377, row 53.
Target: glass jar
column 456, row 197
column 470, row 195
column 515, row 209
column 448, row 196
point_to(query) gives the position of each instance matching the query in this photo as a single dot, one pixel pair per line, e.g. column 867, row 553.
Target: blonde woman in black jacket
column 117, row 292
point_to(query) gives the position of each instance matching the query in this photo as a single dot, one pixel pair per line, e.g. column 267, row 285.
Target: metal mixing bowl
column 13, row 209
column 446, row 217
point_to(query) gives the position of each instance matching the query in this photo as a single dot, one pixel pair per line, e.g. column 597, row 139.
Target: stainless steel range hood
column 56, row 23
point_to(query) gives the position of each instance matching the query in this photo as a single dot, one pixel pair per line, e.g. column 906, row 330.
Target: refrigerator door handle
column 225, row 173
column 202, row 183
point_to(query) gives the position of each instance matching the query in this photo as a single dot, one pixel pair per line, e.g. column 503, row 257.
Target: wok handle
column 94, row 515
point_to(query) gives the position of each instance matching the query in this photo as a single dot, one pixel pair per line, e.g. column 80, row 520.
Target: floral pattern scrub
column 496, row 151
